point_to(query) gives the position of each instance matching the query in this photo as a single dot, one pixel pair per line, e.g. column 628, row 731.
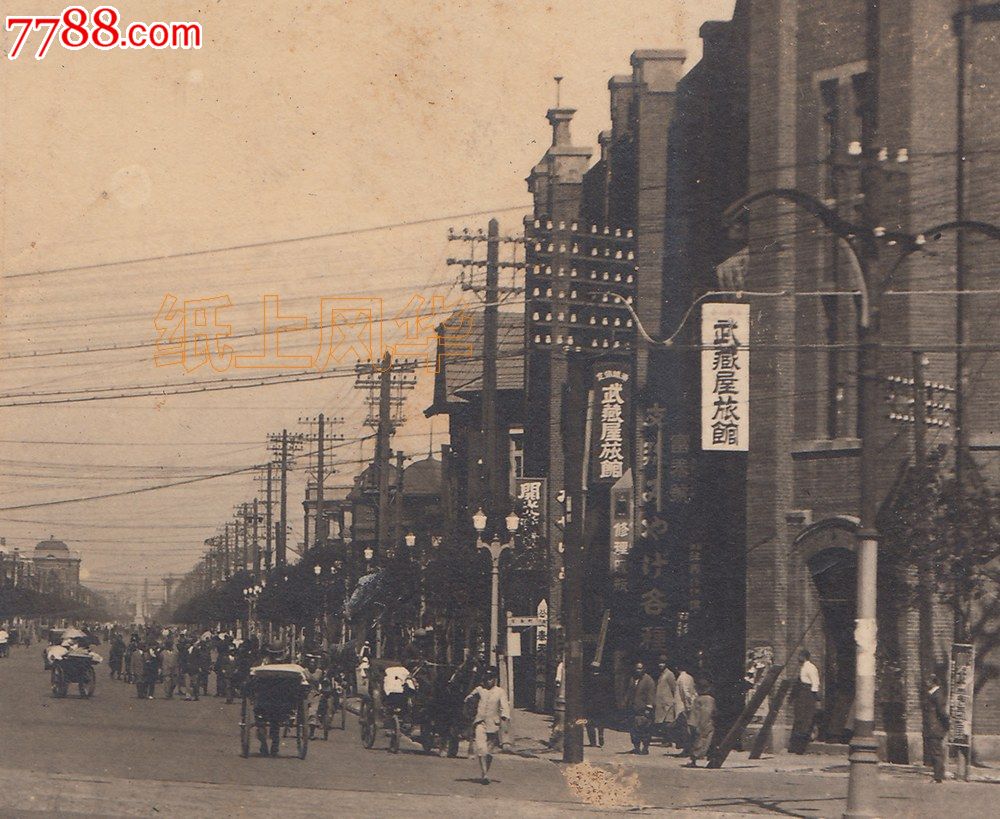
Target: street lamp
column 495, row 547
column 250, row 594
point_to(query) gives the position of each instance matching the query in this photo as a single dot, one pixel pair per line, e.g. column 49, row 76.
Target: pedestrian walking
column 684, row 698
column 665, row 710
column 136, row 668
column 130, row 649
column 492, row 715
column 224, row 667
column 116, row 657
column 4, row 641
column 596, row 704
column 702, row 723
column 183, row 663
column 804, row 700
column 640, row 701
column 150, row 670
column 168, row 668
column 935, row 726
column 198, row 664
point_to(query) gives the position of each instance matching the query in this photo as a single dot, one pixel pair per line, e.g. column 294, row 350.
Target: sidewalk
column 531, row 731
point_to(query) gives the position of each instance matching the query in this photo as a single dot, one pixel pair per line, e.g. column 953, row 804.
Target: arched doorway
column 829, row 551
column 833, row 573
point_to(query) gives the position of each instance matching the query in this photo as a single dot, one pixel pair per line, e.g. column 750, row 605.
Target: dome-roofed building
column 422, row 478
column 56, row 567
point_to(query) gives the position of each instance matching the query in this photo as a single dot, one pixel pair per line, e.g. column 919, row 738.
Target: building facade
column 857, row 104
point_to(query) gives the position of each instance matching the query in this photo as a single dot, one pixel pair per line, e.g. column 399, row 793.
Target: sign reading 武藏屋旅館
column 610, row 423
column 725, row 377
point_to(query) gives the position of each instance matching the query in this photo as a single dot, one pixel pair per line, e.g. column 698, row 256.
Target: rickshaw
column 55, row 638
column 275, row 696
column 74, row 666
column 377, row 713
column 331, row 701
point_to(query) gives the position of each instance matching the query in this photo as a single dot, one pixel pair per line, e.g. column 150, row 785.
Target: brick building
column 856, row 103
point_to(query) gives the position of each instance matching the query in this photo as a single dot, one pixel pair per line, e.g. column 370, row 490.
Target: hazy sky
column 294, row 119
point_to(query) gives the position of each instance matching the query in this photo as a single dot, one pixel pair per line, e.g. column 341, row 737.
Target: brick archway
column 827, row 549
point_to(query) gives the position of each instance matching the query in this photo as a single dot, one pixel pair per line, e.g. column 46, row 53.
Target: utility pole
column 398, row 529
column 380, row 378
column 245, row 552
column 285, row 446
column 320, row 477
column 496, row 491
column 925, row 625
column 321, row 438
column 256, row 540
column 226, row 563
column 267, row 478
column 282, row 556
column 382, row 452
column 489, row 397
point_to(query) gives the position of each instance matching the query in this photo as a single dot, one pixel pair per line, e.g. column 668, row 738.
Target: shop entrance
column 834, row 572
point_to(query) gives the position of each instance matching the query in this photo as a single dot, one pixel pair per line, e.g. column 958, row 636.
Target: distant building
column 57, row 569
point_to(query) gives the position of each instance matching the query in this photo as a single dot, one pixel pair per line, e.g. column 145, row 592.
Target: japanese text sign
column 725, row 377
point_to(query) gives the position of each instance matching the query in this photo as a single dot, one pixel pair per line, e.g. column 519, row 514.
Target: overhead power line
column 268, row 243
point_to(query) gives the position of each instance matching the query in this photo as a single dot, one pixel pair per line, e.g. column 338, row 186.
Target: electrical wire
column 268, row 243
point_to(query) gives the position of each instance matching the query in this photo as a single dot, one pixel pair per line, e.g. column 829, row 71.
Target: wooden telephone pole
column 380, row 378
column 284, row 446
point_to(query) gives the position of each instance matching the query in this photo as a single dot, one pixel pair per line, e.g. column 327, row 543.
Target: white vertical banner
column 725, row 377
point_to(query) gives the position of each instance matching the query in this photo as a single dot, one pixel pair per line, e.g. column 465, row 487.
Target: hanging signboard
column 622, row 536
column 542, row 631
column 531, row 498
column 961, row 685
column 609, row 447
column 725, row 377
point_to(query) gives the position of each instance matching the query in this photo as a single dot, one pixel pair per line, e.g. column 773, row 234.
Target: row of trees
column 20, row 601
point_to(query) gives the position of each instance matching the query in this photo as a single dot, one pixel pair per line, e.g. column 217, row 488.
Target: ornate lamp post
column 495, row 547
column 250, row 594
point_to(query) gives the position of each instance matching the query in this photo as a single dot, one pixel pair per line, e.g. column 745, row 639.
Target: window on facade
column 516, row 437
column 847, row 121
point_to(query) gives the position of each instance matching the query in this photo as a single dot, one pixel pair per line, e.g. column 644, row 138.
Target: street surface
column 115, row 755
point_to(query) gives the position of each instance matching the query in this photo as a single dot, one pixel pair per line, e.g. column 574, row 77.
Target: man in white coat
column 665, row 702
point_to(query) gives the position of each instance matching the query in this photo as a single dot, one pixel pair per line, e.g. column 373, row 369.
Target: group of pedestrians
column 182, row 663
column 674, row 706
column 11, row 634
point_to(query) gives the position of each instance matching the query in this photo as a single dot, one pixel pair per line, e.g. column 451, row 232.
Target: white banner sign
column 725, row 377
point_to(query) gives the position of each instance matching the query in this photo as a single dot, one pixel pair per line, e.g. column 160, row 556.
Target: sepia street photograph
column 493, row 408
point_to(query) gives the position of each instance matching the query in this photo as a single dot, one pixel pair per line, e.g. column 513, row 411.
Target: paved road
column 118, row 755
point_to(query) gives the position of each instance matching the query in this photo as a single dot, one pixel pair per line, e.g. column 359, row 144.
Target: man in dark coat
column 640, row 699
column 935, row 726
column 198, row 664
column 150, row 670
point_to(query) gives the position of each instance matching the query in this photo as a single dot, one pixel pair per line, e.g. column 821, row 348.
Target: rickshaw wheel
column 244, row 730
column 88, row 683
column 394, row 736
column 302, row 731
column 367, row 722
